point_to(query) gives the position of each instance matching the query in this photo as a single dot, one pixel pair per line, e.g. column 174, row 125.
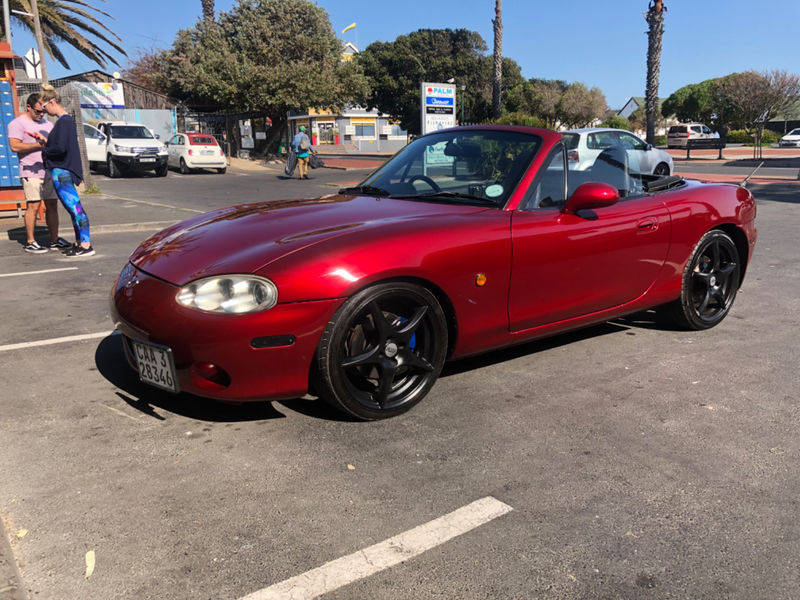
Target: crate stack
column 9, row 163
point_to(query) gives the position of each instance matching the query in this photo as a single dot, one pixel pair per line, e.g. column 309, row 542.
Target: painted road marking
column 200, row 212
column 361, row 564
column 72, row 338
column 38, row 272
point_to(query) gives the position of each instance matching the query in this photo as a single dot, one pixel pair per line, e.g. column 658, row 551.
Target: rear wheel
column 222, row 170
column 382, row 351
column 662, row 170
column 710, row 283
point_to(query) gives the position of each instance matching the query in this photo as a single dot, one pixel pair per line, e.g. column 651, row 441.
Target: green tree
column 691, row 103
column 616, row 122
column 655, row 19
column 579, row 105
column 538, row 97
column 395, row 70
column 69, row 22
column 638, row 119
column 268, row 56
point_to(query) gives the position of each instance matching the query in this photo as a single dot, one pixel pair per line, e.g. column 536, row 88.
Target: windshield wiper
column 365, row 189
column 448, row 195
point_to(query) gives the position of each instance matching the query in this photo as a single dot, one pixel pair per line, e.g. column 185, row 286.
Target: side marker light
column 480, row 280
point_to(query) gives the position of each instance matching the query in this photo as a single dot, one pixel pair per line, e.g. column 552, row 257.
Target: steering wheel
column 427, row 180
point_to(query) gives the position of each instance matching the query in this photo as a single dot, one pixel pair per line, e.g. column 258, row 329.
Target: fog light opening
column 210, row 376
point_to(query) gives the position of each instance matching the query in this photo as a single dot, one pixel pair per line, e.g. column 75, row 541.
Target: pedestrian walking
column 62, row 157
column 37, row 182
column 302, row 148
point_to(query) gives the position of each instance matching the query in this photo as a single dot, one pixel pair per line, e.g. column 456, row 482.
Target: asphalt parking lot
column 624, row 461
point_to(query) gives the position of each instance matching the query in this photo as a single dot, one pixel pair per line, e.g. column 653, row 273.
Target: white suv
column 678, row 135
column 123, row 146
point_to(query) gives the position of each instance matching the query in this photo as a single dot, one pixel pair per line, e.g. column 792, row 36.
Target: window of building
column 364, row 130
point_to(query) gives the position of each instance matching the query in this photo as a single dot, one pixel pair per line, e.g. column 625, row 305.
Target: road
column 633, row 461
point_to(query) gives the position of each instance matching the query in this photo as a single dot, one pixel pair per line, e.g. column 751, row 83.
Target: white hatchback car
column 585, row 145
column 189, row 151
column 678, row 135
column 791, row 139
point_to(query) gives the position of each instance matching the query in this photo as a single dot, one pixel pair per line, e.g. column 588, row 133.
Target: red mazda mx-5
column 468, row 240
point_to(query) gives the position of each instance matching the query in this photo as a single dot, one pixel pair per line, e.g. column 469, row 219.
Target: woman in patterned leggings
column 62, row 157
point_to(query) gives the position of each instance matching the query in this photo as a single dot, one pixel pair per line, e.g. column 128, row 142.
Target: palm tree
column 497, row 79
column 208, row 10
column 66, row 21
column 655, row 18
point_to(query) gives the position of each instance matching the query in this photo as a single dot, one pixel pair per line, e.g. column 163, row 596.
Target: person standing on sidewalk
column 302, row 147
column 36, row 181
column 62, row 157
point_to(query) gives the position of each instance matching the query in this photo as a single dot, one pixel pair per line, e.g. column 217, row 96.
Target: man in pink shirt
column 36, row 181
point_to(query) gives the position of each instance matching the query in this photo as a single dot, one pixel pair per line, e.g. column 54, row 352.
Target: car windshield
column 794, row 132
column 203, row 140
column 456, row 165
column 131, row 132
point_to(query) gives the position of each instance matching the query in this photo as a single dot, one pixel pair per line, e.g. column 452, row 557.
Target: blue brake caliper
column 413, row 343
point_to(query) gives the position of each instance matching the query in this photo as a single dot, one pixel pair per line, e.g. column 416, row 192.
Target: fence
column 71, row 101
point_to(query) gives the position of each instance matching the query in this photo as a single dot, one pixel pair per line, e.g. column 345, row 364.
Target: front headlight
column 229, row 294
column 122, row 148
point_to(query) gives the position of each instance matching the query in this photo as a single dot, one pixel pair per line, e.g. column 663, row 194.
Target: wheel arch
column 740, row 241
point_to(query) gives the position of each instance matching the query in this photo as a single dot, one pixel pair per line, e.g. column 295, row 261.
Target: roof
column 640, row 101
column 792, row 113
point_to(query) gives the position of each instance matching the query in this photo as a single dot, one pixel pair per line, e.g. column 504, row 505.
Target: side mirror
column 591, row 195
column 102, row 138
column 648, row 147
column 166, row 143
column 158, row 137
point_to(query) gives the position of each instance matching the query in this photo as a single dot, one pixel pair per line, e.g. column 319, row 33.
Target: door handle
column 647, row 224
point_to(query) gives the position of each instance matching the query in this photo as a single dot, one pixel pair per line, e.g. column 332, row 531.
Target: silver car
column 585, row 145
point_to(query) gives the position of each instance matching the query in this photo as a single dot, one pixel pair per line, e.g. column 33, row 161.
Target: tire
column 93, row 165
column 710, row 284
column 382, row 351
column 662, row 169
column 162, row 170
column 184, row 169
column 222, row 170
column 113, row 169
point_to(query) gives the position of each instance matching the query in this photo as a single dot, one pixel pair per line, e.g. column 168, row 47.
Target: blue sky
column 599, row 42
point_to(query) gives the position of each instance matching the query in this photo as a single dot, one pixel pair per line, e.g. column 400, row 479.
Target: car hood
column 245, row 238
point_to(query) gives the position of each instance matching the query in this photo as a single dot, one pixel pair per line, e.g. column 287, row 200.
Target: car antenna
column 744, row 183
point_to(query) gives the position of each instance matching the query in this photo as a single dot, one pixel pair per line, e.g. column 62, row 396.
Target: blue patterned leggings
column 65, row 188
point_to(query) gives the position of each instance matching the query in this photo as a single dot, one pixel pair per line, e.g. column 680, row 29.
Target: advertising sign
column 101, row 95
column 438, row 104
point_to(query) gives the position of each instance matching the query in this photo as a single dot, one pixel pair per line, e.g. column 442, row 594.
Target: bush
column 518, row 118
column 770, row 137
column 616, row 122
column 740, row 136
column 660, row 140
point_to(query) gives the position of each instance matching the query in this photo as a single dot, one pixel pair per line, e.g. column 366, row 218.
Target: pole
column 39, row 42
column 462, row 105
column 7, row 23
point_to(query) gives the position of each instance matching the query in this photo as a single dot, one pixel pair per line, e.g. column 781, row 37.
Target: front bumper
column 144, row 308
column 140, row 163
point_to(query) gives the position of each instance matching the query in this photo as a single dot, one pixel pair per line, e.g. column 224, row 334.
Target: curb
column 11, row 587
column 19, row 233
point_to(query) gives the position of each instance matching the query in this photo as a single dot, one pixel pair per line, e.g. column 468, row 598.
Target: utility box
column 12, row 197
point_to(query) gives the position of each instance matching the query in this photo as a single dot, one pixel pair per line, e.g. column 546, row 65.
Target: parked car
column 123, row 146
column 468, row 240
column 678, row 135
column 585, row 145
column 188, row 151
column 791, row 139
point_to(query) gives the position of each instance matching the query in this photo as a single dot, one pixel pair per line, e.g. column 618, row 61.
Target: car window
column 794, row 132
column 466, row 166
column 617, row 165
column 548, row 189
column 677, row 129
column 90, row 132
column 706, row 130
column 630, row 139
column 696, row 129
column 596, row 140
column 571, row 140
column 202, row 140
column 131, row 132
column 174, row 140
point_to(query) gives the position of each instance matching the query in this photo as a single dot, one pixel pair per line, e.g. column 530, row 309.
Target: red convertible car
column 468, row 240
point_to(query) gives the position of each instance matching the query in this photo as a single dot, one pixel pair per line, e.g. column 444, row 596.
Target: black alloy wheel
column 710, row 283
column 661, row 170
column 382, row 351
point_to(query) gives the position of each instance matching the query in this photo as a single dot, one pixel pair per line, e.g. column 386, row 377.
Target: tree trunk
column 655, row 18
column 497, row 79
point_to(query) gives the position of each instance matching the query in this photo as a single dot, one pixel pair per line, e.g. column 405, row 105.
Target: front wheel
column 662, row 170
column 710, row 283
column 382, row 351
column 184, row 169
column 113, row 169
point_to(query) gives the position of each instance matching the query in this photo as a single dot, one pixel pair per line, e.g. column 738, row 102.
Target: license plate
column 156, row 365
column 147, row 160
column 207, row 152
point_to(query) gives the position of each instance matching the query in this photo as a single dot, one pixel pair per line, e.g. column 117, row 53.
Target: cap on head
column 302, row 127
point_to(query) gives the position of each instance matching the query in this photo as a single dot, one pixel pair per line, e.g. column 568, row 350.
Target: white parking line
column 72, row 338
column 38, row 272
column 361, row 564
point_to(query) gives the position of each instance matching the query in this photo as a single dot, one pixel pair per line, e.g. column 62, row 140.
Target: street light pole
column 7, row 23
column 463, row 87
column 39, row 42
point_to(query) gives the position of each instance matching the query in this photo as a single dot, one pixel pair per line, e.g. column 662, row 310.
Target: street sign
column 438, row 106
